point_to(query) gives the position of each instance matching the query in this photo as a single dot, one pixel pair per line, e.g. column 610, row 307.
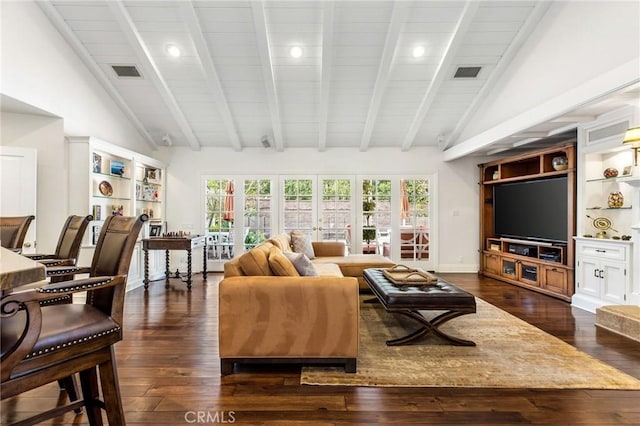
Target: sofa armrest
column 329, row 248
column 288, row 317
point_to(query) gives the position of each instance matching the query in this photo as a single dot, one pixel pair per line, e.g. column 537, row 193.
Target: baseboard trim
column 458, row 267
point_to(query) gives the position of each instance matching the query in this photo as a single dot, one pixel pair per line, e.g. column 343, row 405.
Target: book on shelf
column 96, row 211
column 96, row 234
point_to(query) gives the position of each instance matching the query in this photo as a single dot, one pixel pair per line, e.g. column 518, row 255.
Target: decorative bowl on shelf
column 105, row 188
column 610, row 172
column 560, row 163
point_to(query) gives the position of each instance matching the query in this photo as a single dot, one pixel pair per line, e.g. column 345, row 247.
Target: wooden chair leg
column 90, row 393
column 111, row 391
column 70, row 385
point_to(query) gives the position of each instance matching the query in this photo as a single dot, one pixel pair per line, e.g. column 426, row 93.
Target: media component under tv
column 532, row 210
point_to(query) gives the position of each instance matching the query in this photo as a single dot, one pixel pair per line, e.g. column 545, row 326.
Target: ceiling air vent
column 126, row 70
column 467, row 72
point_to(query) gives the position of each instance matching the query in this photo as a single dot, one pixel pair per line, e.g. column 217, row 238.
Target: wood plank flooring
column 169, row 373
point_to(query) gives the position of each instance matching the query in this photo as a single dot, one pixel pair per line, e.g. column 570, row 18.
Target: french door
column 393, row 216
column 321, row 206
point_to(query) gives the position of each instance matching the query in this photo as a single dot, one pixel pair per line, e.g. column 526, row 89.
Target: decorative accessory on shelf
column 616, row 200
column 610, row 172
column 602, row 224
column 632, row 137
column 105, row 188
column 560, row 163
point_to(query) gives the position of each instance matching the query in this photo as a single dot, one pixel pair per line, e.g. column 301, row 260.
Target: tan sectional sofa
column 267, row 318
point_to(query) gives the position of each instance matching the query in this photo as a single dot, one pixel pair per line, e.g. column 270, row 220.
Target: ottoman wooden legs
column 429, row 326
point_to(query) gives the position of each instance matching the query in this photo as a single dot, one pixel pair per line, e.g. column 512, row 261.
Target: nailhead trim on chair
column 73, row 342
column 74, row 288
column 55, row 300
column 62, row 271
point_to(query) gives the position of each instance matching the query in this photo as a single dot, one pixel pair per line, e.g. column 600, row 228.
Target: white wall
column 44, row 134
column 40, row 69
column 458, row 189
column 576, row 42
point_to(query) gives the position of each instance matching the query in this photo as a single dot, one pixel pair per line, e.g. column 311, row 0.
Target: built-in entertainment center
column 527, row 220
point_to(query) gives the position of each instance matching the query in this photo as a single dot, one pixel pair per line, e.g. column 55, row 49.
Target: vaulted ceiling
column 356, row 83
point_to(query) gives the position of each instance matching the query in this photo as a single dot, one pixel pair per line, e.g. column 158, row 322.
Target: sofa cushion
column 256, row 260
column 353, row 264
column 301, row 243
column 280, row 264
column 282, row 241
column 328, row 270
column 302, row 264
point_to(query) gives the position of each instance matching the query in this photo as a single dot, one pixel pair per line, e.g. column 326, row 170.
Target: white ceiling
column 356, row 84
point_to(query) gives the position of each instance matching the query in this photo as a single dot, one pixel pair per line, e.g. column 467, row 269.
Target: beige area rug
column 510, row 353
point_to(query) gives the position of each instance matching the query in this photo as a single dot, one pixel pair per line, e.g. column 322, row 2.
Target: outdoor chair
column 13, row 230
column 42, row 344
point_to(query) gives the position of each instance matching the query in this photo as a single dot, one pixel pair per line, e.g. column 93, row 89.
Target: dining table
column 17, row 270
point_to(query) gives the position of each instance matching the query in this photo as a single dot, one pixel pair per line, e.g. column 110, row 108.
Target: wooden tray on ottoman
column 401, row 275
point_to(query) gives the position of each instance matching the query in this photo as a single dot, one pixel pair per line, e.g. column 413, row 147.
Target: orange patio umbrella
column 228, row 205
column 404, row 200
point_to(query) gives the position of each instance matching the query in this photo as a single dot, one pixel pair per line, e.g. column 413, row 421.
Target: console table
column 166, row 244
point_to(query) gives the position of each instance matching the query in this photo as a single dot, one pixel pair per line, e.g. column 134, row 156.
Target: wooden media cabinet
column 537, row 265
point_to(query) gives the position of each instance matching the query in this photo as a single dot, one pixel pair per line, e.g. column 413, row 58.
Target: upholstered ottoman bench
column 410, row 300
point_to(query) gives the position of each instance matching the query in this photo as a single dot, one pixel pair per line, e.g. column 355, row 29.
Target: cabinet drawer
column 603, row 251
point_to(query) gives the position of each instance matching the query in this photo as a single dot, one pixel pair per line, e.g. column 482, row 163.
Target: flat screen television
column 532, row 210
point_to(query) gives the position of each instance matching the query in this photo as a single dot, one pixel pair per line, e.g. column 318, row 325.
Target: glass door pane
column 258, row 208
column 414, row 215
column 376, row 216
column 220, row 218
column 335, row 210
column 298, row 205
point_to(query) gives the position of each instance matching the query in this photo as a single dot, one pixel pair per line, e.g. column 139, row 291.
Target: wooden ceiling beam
column 138, row 45
column 209, row 71
column 326, row 64
column 264, row 49
column 398, row 18
column 71, row 38
column 462, row 26
column 505, row 60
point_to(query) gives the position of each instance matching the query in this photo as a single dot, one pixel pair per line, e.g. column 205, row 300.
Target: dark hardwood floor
column 169, row 373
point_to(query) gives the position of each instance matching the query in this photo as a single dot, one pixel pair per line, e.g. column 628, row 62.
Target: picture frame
column 97, row 163
column 117, row 168
column 155, row 230
column 152, row 175
column 627, row 171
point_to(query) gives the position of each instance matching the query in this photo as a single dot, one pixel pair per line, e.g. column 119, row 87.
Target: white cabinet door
column 614, row 282
column 589, row 277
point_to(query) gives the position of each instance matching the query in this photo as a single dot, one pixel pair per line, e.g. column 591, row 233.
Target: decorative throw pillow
column 255, row 262
column 280, row 264
column 302, row 264
column 301, row 243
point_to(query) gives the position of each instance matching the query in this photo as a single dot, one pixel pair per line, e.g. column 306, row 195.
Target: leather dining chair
column 13, row 230
column 68, row 247
column 39, row 344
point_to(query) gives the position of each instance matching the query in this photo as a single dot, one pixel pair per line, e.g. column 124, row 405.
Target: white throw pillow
column 302, row 264
column 301, row 243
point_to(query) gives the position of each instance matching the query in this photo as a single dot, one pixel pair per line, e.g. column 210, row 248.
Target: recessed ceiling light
column 295, row 51
column 173, row 50
column 418, row 51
